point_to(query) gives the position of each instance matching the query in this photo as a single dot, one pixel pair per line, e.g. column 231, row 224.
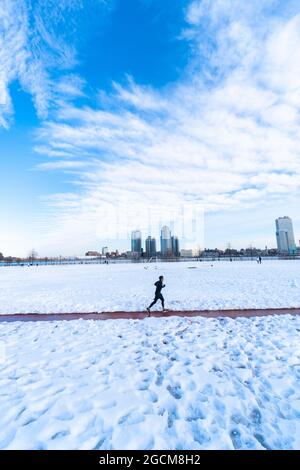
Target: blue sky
column 125, row 114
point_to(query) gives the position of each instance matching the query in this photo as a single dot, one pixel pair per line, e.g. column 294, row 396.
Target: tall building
column 285, row 235
column 150, row 247
column 104, row 250
column 175, row 246
column 165, row 241
column 136, row 241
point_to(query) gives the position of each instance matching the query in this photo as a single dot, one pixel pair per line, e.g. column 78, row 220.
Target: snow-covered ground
column 170, row 383
column 90, row 288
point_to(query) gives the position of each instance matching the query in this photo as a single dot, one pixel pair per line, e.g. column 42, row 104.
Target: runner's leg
column 154, row 302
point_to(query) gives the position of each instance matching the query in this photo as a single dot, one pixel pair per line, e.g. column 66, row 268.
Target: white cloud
column 36, row 41
column 13, row 54
column 62, row 165
column 70, row 86
column 142, row 98
column 281, row 65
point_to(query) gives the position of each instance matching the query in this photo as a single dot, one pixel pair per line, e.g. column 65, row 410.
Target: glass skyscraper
column 285, row 235
column 175, row 246
column 136, row 241
column 150, row 247
column 165, row 241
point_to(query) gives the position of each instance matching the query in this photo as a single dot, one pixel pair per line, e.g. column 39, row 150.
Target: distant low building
column 115, row 254
column 190, row 253
column 92, row 253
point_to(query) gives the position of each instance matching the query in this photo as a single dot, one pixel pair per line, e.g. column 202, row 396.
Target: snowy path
column 129, row 287
column 28, row 317
column 170, row 383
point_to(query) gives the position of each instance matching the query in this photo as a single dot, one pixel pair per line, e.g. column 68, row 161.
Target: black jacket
column 159, row 286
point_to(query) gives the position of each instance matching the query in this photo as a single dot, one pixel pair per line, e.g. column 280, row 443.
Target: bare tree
column 32, row 255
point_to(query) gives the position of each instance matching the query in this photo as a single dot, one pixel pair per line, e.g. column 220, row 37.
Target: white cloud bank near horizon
column 225, row 137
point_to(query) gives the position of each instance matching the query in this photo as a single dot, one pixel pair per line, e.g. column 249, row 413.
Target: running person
column 158, row 295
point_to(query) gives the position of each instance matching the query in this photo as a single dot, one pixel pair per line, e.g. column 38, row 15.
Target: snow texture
column 129, row 287
column 167, row 383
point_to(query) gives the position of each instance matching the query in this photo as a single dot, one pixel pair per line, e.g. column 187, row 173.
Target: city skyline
column 152, row 106
column 169, row 244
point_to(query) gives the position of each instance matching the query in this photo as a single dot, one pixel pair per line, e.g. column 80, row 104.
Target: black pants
column 156, row 298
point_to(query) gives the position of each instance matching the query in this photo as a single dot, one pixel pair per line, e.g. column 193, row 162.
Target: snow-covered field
column 158, row 383
column 90, row 288
column 170, row 383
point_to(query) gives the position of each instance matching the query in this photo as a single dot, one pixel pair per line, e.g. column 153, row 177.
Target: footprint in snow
column 133, row 417
column 235, row 436
column 175, row 391
column 255, row 416
column 194, row 413
column 60, row 434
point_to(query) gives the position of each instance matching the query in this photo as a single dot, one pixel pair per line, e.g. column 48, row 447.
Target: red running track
column 142, row 315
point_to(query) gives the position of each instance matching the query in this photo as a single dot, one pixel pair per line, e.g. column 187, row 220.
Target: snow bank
column 129, row 287
column 153, row 384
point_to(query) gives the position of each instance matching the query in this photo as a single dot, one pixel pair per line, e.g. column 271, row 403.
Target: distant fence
column 61, row 262
column 210, row 259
